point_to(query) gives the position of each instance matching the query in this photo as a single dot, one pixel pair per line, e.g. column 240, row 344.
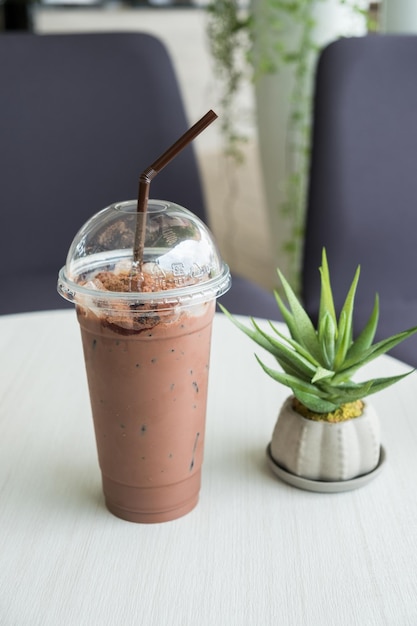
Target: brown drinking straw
column 149, row 174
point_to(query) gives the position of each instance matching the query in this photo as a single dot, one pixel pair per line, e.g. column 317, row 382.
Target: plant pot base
column 325, row 486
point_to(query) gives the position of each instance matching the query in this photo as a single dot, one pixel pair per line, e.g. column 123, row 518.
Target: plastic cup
column 146, row 334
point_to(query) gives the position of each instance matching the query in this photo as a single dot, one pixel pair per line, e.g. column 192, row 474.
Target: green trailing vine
column 275, row 54
column 228, row 30
column 247, row 44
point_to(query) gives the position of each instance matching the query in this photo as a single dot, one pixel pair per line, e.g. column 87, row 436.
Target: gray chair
column 362, row 203
column 81, row 116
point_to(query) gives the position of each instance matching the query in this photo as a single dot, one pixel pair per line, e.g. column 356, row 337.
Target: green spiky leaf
column 345, row 330
column 326, row 295
column 302, row 328
column 322, row 374
column 318, row 405
column 327, row 337
column 293, row 382
column 318, row 363
column 366, row 337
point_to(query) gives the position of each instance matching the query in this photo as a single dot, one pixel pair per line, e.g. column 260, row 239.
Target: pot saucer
column 324, row 486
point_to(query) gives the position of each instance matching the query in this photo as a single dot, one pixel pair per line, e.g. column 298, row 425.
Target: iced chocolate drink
column 146, row 335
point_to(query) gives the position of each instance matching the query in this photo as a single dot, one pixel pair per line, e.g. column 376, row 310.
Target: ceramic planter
column 323, row 451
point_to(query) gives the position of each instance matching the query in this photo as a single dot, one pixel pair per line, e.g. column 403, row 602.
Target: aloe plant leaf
column 318, row 405
column 293, row 382
column 366, row 337
column 366, row 388
column 290, row 359
column 378, row 384
column 353, row 397
column 352, row 391
column 254, row 334
column 321, row 374
column 347, row 393
column 250, row 332
column 291, row 362
column 345, row 332
column 305, row 333
column 318, row 364
column 326, row 295
column 287, row 315
column 327, row 336
column 344, row 340
column 281, row 305
column 373, row 352
column 297, row 346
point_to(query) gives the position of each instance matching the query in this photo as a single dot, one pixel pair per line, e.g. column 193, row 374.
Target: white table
column 255, row 551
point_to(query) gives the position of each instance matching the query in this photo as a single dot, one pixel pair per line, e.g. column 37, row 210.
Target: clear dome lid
column 181, row 261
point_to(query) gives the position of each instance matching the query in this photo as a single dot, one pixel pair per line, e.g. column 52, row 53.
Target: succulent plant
column 318, row 363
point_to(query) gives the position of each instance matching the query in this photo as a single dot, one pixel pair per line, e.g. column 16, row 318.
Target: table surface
column 254, row 551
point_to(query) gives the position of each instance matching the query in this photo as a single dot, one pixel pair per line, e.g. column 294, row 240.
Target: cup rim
column 184, row 296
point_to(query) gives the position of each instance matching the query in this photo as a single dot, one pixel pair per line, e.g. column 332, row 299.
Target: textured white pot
column 326, row 451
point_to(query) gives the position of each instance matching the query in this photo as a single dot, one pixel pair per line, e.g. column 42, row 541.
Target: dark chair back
column 362, row 203
column 81, row 116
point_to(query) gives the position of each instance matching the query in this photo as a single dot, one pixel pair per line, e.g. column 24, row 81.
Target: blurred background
column 254, row 228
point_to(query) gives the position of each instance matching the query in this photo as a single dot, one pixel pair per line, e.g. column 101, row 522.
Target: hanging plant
column 249, row 44
column 228, row 30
